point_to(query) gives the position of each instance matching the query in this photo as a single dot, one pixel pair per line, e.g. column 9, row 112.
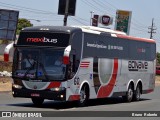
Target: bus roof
column 98, row 29
column 65, row 29
column 87, row 29
column 113, row 33
column 136, row 38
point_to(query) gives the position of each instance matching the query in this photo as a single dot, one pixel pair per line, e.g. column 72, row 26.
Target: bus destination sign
column 43, row 39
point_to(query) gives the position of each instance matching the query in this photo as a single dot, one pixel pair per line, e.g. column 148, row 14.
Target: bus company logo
column 41, row 40
column 96, row 45
column 141, row 50
column 137, row 66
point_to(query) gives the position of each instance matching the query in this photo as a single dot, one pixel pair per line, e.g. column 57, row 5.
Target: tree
column 158, row 58
column 22, row 23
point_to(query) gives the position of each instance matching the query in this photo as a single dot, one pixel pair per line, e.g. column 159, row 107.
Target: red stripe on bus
column 74, row 97
column 150, row 90
column 54, row 84
column 136, row 38
column 84, row 66
column 105, row 91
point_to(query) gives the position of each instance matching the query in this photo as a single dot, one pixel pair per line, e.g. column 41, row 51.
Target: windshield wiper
column 29, row 69
column 44, row 71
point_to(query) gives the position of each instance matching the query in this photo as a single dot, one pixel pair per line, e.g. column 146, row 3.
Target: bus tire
column 129, row 95
column 84, row 96
column 137, row 93
column 37, row 101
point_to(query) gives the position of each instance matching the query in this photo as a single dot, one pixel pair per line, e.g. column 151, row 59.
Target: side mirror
column 7, row 51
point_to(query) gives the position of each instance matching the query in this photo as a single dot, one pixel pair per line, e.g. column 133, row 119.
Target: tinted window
column 112, row 47
column 39, row 63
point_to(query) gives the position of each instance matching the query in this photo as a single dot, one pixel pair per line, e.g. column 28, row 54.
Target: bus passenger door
column 72, row 65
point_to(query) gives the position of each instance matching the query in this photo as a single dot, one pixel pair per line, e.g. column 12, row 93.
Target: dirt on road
column 5, row 84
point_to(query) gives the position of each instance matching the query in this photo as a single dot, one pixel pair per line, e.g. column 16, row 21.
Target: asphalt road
column 149, row 102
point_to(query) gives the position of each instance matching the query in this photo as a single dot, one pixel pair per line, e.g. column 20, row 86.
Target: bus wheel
column 129, row 95
column 137, row 93
column 37, row 101
column 84, row 96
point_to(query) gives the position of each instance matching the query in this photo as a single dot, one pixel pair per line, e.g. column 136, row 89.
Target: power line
column 104, row 6
column 109, row 4
column 139, row 29
column 77, row 20
column 138, row 25
column 92, row 5
column 26, row 8
column 82, row 19
column 115, row 8
column 99, row 5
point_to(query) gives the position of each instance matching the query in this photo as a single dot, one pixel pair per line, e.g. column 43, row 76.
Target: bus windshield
column 39, row 64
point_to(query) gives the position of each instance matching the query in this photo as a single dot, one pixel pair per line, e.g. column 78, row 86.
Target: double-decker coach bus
column 81, row 63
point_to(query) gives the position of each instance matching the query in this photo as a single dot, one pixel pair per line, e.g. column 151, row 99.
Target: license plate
column 35, row 95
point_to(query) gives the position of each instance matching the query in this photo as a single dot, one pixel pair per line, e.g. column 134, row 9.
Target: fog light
column 12, row 93
column 61, row 96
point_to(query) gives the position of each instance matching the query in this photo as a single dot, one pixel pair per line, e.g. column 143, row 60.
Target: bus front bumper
column 45, row 94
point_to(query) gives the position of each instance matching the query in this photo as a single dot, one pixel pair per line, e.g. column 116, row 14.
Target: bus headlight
column 57, row 89
column 17, row 86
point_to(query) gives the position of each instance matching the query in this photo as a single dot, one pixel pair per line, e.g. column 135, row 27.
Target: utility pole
column 152, row 28
column 91, row 18
column 66, row 13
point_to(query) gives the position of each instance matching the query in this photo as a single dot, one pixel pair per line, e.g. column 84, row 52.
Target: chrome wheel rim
column 130, row 94
column 82, row 96
column 138, row 93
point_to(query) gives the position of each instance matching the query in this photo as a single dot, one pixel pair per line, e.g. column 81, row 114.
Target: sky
column 143, row 11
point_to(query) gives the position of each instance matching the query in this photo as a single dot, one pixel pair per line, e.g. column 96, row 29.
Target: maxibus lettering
column 44, row 39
